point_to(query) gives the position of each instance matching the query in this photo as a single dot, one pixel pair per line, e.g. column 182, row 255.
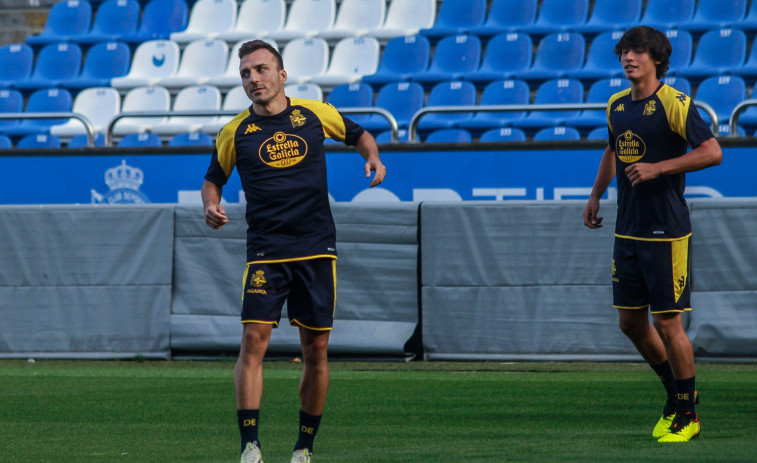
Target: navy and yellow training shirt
column 282, row 165
column 652, row 130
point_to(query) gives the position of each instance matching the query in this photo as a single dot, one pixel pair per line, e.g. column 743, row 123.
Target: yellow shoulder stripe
column 612, row 100
column 333, row 124
column 676, row 106
column 225, row 146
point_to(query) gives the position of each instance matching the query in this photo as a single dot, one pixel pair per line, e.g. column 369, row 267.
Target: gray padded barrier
column 85, row 282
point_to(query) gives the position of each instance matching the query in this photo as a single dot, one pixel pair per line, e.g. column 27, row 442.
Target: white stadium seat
column 142, row 99
column 353, row 58
column 257, row 19
column 356, row 18
column 98, row 104
column 200, row 61
column 208, row 20
column 406, row 17
column 305, row 58
column 235, row 100
column 195, row 98
column 307, row 18
column 306, row 91
column 153, row 61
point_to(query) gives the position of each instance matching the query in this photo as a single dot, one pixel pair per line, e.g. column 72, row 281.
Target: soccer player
column 277, row 148
column 650, row 126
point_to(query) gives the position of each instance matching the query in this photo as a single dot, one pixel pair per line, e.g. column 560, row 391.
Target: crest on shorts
column 258, row 279
column 297, row 118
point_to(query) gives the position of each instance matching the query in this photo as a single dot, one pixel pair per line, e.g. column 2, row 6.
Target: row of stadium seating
column 134, row 140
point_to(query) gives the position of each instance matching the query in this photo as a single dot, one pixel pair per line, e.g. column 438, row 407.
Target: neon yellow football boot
column 684, row 428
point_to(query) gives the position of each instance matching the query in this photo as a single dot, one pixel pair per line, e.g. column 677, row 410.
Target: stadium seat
column 200, row 61
column 104, row 61
column 142, row 99
column 195, row 98
column 191, row 139
column 664, row 14
column 683, row 46
column 681, row 84
column 346, row 96
column 356, row 18
column 80, row 141
column 559, row 54
column 600, row 133
column 304, row 59
column 449, row 136
column 506, row 56
column 67, row 20
column 235, row 100
column 42, row 101
column 454, row 57
column 503, row 134
column 601, row 61
column 306, row 19
column 599, row 92
column 207, row 20
column 98, row 104
column 256, row 20
column 503, row 92
column 406, row 17
column 612, row 15
column 352, row 58
column 557, row 134
column 16, row 62
column 401, row 99
column 749, row 68
column 38, row 141
column 140, row 140
column 56, row 63
column 114, row 20
column 555, row 91
column 230, row 78
column 749, row 23
column 716, row 14
column 160, row 18
column 306, row 91
column 386, row 136
column 153, row 61
column 559, row 15
column 723, row 93
column 724, row 130
column 11, row 101
column 508, row 16
column 403, row 57
column 5, row 142
column 457, row 17
column 718, row 52
column 457, row 93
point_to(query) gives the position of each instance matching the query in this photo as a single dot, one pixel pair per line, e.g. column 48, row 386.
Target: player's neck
column 644, row 88
column 272, row 107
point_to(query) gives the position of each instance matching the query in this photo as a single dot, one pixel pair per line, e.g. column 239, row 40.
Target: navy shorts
column 651, row 274
column 307, row 286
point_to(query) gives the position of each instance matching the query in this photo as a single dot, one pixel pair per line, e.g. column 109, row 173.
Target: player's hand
column 590, row 214
column 641, row 172
column 374, row 164
column 215, row 217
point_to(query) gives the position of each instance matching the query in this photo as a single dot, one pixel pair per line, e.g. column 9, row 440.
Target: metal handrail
column 88, row 127
column 415, row 120
column 355, row 110
column 733, row 122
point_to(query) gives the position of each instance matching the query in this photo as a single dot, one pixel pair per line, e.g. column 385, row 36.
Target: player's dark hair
column 647, row 38
column 255, row 45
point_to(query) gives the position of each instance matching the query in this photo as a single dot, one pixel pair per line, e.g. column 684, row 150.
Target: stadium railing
column 88, row 127
column 737, row 111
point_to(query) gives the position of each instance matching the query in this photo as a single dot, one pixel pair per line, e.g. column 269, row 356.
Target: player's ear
column 283, row 76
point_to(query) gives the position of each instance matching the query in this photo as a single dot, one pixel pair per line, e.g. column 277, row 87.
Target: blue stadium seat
column 716, row 14
column 508, row 16
column 506, row 56
column 38, row 141
column 403, row 58
column 681, row 84
column 159, row 19
column 600, row 133
column 748, row 118
column 664, row 14
column 718, row 52
column 68, row 20
column 723, row 93
column 402, row 99
column 457, row 93
column 559, row 15
column 191, row 139
column 5, row 142
column 114, row 20
column 80, row 141
column 449, row 136
column 749, row 68
column 347, row 96
column 503, row 92
column 454, row 57
column 557, row 134
column 749, row 23
column 11, row 101
column 16, row 62
column 503, row 134
column 558, row 55
column 599, row 92
column 43, row 101
column 683, row 48
column 140, row 140
column 104, row 61
column 457, row 17
column 601, row 61
column 724, row 130
column 555, row 91
column 56, row 62
column 612, row 15
column 386, row 136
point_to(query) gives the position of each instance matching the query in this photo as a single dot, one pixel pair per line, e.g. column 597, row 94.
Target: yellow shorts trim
column 293, row 259
column 262, row 322
column 688, row 309
column 294, row 322
column 636, row 238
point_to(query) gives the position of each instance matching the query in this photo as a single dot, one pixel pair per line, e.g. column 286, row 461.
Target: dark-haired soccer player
column 277, row 148
column 650, row 126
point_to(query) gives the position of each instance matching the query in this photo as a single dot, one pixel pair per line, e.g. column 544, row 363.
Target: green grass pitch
column 181, row 411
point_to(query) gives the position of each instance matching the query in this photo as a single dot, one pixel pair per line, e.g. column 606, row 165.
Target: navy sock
column 665, row 373
column 248, row 426
column 308, row 429
column 685, row 394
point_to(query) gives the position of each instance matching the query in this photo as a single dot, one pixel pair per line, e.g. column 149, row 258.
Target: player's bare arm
column 367, row 147
column 605, row 174
column 215, row 214
column 706, row 154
